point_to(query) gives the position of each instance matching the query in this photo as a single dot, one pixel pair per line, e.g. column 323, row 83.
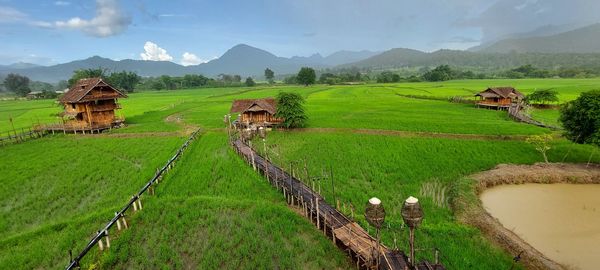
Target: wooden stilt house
column 91, row 104
column 498, row 97
column 255, row 112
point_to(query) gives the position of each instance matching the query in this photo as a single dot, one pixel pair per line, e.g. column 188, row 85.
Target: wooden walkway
column 343, row 232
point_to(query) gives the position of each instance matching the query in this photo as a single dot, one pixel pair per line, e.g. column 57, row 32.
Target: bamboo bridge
column 344, row 232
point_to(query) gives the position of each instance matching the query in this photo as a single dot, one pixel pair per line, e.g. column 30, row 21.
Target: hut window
column 73, row 106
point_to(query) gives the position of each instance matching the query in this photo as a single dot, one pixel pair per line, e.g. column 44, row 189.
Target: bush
column 581, row 118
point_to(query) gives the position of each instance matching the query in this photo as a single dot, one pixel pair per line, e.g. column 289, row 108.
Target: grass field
column 26, row 113
column 212, row 211
column 393, row 168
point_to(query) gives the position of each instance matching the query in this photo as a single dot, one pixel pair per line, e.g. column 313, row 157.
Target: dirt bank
column 469, row 209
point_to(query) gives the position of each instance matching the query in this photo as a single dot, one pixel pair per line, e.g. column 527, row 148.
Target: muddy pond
column 560, row 220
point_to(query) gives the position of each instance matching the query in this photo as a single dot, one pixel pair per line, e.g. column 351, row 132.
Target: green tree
column 87, row 73
column 541, row 144
column 543, row 96
column 291, row 80
column 306, row 76
column 193, row 80
column 269, row 75
column 17, row 84
column 250, row 82
column 124, row 80
column 388, row 77
column 290, row 107
column 440, row 73
column 581, row 118
column 167, row 82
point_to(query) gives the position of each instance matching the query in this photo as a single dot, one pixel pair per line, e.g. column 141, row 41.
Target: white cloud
column 110, row 20
column 154, row 53
column 62, row 3
column 189, row 59
column 8, row 14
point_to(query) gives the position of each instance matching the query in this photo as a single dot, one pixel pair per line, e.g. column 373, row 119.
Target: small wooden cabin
column 91, row 104
column 255, row 112
column 34, row 95
column 498, row 97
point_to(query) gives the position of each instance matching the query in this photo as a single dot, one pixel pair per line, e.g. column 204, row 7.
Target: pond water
column 560, row 220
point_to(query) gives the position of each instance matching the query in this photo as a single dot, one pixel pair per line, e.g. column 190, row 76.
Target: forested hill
column 400, row 57
column 582, row 40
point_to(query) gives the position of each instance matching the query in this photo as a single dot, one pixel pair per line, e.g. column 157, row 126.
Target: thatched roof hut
column 498, row 97
column 258, row 112
column 91, row 104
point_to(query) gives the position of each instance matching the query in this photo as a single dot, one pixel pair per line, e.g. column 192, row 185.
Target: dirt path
column 469, row 210
column 177, row 118
column 409, row 134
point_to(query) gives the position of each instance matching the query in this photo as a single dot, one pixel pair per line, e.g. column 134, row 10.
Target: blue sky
column 190, row 32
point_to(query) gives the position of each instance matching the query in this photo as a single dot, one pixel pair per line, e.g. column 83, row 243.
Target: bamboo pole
column 107, row 239
column 124, row 221
column 118, row 221
column 318, row 218
column 135, row 206
column 100, row 244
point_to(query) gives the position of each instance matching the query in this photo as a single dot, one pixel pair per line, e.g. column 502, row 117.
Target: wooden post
column 332, row 234
column 135, row 206
column 100, row 244
column 284, row 195
column 318, row 218
column 267, row 170
column 107, row 239
column 118, row 221
column 302, row 203
column 312, row 207
column 124, row 221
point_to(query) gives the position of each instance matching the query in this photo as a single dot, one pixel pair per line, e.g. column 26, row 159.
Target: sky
column 191, row 32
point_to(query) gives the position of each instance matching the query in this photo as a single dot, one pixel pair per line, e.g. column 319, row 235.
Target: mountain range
column 546, row 47
column 241, row 59
column 581, row 40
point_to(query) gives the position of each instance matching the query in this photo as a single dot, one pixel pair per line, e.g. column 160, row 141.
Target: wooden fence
column 515, row 111
column 343, row 231
column 135, row 203
column 18, row 137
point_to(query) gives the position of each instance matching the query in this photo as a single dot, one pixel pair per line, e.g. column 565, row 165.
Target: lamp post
column 375, row 215
column 412, row 214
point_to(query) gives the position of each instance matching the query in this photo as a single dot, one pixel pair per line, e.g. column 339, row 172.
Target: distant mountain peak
column 246, row 51
column 580, row 40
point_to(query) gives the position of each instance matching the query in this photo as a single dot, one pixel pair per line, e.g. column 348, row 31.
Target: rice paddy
column 213, row 211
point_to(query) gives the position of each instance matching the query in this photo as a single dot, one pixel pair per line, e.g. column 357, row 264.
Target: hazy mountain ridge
column 581, row 40
column 546, row 30
column 402, row 58
column 241, row 59
column 574, row 48
column 18, row 65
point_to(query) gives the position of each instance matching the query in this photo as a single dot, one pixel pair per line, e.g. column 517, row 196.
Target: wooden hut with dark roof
column 255, row 112
column 498, row 97
column 90, row 105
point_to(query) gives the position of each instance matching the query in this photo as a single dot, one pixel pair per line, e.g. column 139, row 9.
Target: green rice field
column 212, row 211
